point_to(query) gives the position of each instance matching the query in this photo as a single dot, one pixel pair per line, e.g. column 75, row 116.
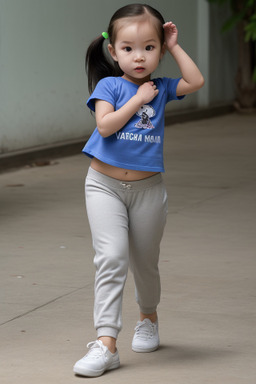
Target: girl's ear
column 112, row 52
column 163, row 50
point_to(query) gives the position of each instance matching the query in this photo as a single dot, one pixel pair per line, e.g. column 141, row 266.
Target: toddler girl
column 125, row 196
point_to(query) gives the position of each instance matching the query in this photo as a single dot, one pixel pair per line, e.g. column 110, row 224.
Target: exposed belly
column 119, row 173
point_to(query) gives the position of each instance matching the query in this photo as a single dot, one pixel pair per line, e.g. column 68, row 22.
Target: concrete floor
column 208, row 263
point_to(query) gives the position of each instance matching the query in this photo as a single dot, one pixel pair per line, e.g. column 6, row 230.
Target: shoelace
column 144, row 330
column 97, row 348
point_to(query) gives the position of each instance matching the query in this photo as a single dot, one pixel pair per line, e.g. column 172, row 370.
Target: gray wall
column 223, row 57
column 43, row 88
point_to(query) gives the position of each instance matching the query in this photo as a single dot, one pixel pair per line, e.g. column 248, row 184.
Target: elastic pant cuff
column 107, row 331
column 147, row 311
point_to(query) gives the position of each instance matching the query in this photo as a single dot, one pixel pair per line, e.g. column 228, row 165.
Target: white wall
column 43, row 87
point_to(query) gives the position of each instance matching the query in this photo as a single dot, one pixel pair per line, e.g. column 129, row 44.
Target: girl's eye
column 149, row 48
column 127, row 49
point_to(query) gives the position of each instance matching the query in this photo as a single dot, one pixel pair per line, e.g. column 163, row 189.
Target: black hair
column 98, row 63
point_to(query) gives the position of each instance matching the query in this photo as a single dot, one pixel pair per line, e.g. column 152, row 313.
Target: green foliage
column 250, row 29
column 241, row 11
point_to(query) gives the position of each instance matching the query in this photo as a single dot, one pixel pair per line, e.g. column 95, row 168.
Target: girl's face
column 137, row 49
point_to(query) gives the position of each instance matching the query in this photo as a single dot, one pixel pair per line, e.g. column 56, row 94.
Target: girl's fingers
column 169, row 24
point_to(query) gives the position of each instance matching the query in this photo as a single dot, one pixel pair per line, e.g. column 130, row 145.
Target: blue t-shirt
column 139, row 144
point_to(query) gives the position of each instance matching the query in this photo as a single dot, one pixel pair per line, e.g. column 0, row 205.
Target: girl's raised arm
column 192, row 79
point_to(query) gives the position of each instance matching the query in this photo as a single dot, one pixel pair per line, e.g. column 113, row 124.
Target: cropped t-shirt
column 139, row 144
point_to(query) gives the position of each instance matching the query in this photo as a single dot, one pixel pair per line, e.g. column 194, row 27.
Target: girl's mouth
column 139, row 69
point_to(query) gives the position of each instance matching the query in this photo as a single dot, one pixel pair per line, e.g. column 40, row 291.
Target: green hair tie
column 105, row 35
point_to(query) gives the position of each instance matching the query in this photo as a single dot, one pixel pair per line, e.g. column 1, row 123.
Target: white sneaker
column 98, row 360
column 146, row 337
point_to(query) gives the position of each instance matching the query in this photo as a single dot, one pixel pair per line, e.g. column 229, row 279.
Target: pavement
column 208, row 263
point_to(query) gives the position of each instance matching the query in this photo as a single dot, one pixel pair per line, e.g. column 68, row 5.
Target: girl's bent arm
column 110, row 121
column 192, row 79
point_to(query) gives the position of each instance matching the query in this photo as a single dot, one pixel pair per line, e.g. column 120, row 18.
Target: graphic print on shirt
column 145, row 112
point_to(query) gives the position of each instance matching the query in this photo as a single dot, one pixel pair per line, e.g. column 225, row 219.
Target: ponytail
column 98, row 65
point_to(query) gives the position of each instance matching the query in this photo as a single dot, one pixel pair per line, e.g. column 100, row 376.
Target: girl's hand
column 171, row 35
column 147, row 92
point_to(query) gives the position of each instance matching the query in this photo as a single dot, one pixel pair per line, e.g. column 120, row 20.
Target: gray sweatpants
column 127, row 220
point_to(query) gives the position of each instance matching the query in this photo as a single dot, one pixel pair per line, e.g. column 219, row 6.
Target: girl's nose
column 139, row 56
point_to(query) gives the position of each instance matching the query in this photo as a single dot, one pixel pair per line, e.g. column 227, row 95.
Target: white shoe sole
column 143, row 350
column 93, row 373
